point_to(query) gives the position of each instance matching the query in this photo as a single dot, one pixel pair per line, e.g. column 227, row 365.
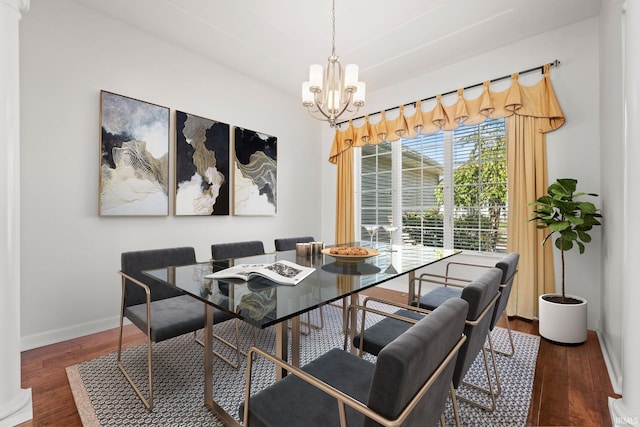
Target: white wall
column 70, row 256
column 573, row 150
column 613, row 184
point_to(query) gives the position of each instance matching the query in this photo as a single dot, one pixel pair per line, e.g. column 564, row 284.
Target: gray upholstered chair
column 289, row 243
column 452, row 287
column 229, row 250
column 406, row 386
column 158, row 310
column 481, row 294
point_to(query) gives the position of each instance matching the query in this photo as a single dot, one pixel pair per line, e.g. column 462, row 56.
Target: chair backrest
column 289, row 243
column 407, row 363
column 480, row 294
column 509, row 267
column 236, row 249
column 134, row 262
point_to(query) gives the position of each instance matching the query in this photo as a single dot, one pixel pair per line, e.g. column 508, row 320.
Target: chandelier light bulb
column 358, row 96
column 350, row 77
column 315, row 78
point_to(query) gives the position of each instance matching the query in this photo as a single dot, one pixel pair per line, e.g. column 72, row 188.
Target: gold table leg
column 282, row 344
column 208, row 371
column 295, row 341
column 351, row 326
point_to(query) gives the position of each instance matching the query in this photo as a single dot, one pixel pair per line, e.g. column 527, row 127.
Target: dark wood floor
column 571, row 384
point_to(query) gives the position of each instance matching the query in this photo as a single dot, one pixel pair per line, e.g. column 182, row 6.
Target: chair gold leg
column 148, row 403
column 454, row 403
column 312, row 325
column 239, row 352
column 495, row 366
column 490, row 391
column 513, row 347
column 236, row 348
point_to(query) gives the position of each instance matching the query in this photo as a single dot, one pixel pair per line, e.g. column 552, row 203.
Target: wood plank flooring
column 571, row 384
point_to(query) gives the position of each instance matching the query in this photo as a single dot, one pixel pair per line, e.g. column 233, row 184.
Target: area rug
column 104, row 398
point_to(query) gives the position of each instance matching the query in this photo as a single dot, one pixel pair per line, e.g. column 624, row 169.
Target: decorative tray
column 351, row 258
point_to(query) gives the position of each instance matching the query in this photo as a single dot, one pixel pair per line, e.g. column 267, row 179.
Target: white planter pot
column 563, row 323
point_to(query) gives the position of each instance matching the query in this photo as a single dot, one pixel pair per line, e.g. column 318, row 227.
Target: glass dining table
column 263, row 303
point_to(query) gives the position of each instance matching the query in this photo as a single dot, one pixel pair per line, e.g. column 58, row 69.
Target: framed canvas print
column 255, row 178
column 202, row 166
column 134, row 157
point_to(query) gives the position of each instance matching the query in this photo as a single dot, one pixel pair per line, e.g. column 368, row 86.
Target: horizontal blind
column 453, row 188
column 376, row 185
column 480, row 187
column 422, row 169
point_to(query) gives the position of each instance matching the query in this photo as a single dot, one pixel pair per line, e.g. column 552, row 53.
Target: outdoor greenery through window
column 445, row 190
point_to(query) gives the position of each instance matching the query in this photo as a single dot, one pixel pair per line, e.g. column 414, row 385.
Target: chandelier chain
column 333, row 24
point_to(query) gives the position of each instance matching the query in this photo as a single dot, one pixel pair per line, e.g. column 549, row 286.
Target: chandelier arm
column 346, row 104
column 320, row 110
column 324, row 117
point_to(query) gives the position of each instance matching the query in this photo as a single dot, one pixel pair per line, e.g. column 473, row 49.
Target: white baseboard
column 19, row 411
column 57, row 335
column 616, row 381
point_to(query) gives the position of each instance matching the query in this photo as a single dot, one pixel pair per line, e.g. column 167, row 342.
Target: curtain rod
column 555, row 63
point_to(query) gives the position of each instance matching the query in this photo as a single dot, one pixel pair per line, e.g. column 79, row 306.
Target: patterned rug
column 104, row 398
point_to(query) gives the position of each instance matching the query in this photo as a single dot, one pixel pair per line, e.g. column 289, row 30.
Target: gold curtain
column 344, row 186
column 530, row 112
column 527, row 172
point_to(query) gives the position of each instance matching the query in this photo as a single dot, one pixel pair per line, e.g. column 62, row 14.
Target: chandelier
column 331, row 92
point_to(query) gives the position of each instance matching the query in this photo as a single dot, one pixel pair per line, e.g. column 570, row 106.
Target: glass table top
column 263, row 303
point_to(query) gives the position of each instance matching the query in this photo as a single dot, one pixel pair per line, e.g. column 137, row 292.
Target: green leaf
column 591, row 220
column 565, row 206
column 569, row 184
column 587, row 207
column 580, row 246
column 569, row 234
column 559, row 226
column 564, row 245
column 574, row 219
column 544, row 200
column 584, row 236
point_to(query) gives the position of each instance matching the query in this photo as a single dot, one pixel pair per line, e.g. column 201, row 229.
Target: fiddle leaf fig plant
column 569, row 220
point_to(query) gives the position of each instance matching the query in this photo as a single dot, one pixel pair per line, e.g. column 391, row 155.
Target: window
column 446, row 190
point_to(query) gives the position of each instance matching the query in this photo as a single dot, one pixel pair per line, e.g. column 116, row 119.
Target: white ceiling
column 275, row 41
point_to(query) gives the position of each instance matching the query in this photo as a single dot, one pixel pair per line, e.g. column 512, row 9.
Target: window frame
column 448, row 208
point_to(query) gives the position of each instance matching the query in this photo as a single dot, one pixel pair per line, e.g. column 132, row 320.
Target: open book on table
column 283, row 272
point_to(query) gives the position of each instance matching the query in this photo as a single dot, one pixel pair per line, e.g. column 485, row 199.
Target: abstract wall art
column 202, row 166
column 255, row 179
column 134, row 157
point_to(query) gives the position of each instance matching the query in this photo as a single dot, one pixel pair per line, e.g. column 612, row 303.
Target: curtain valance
column 538, row 101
